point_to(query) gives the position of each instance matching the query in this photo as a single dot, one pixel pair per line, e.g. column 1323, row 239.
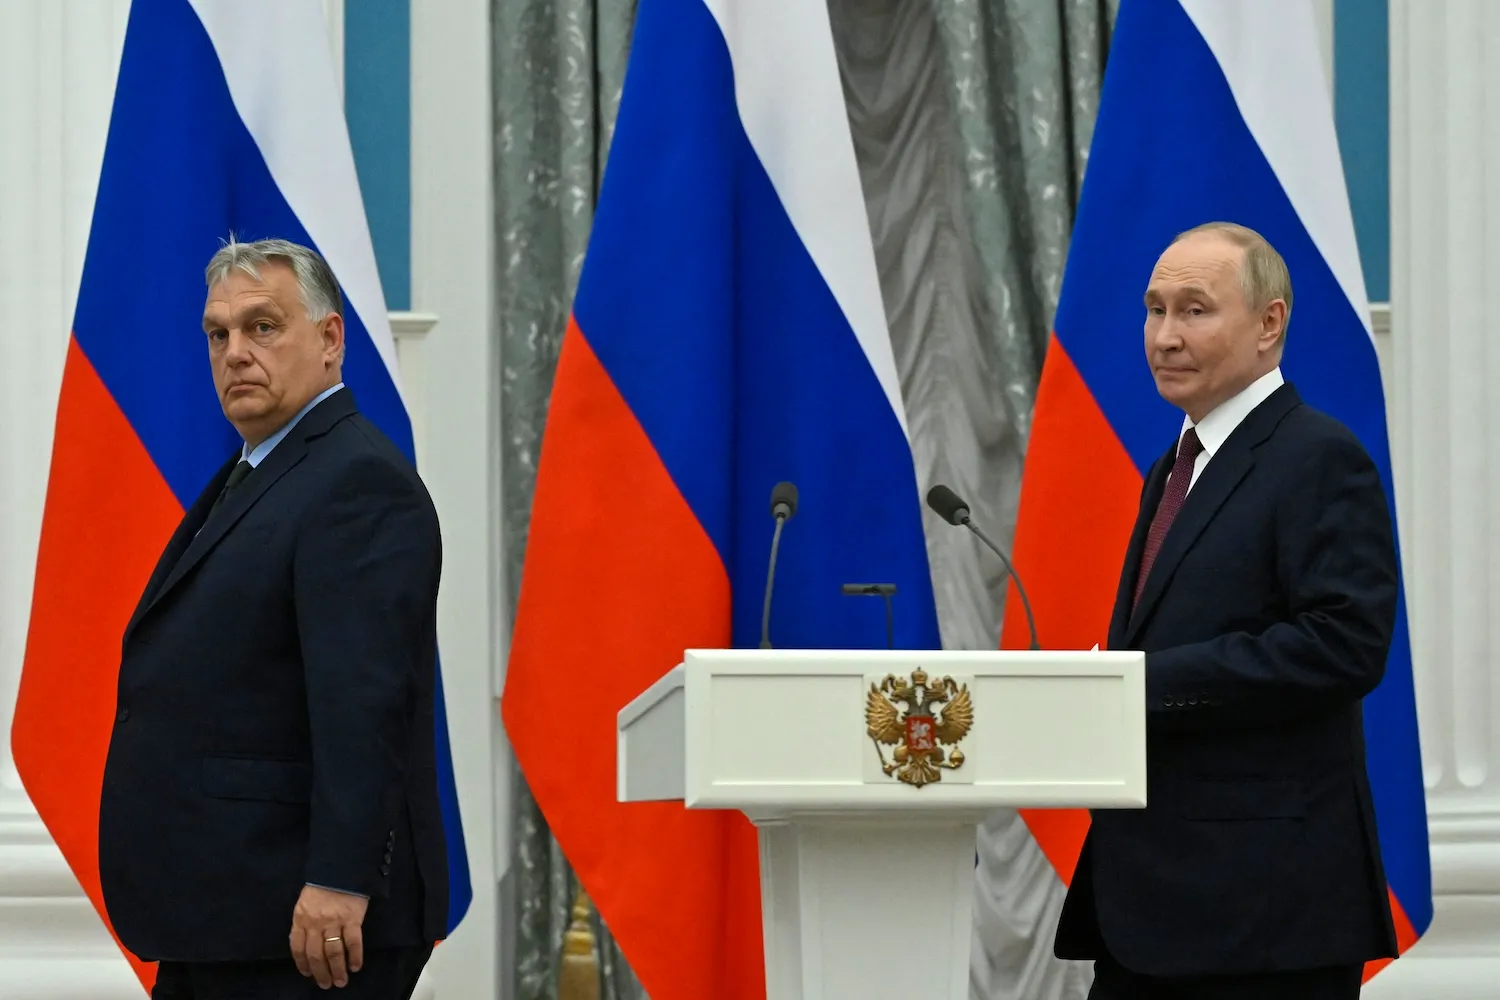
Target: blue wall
column 1361, row 111
column 377, row 103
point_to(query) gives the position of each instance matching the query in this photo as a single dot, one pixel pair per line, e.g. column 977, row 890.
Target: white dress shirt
column 1215, row 428
column 258, row 454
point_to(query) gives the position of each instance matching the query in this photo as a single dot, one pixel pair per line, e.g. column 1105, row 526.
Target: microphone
column 884, row 590
column 783, row 506
column 951, row 508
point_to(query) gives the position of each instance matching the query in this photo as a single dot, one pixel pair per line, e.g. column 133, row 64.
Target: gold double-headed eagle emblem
column 923, row 734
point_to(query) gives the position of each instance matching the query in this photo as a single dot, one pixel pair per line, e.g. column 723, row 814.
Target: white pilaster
column 1323, row 18
column 333, row 13
column 57, row 73
column 453, row 276
column 1445, row 430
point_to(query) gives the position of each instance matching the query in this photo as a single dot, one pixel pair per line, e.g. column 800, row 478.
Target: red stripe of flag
column 619, row 579
column 1078, row 503
column 108, row 514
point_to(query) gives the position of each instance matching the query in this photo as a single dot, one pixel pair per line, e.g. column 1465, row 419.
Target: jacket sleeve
column 1337, row 567
column 365, row 584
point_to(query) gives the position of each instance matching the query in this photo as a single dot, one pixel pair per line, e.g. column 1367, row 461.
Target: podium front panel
column 772, row 731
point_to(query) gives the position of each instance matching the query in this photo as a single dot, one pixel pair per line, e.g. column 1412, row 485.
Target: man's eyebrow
column 1186, row 291
column 254, row 310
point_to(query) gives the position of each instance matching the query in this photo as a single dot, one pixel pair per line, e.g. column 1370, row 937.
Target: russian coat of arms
column 938, row 714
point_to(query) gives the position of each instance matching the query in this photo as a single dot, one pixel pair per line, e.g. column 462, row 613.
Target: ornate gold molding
column 578, row 971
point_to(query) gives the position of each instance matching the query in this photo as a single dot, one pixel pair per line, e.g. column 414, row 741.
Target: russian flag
column 1212, row 110
column 728, row 333
column 226, row 119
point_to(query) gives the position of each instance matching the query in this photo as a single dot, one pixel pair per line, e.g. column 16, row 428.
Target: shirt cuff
column 330, row 888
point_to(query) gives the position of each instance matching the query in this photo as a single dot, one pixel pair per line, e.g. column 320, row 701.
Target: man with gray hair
column 269, row 823
column 1261, row 583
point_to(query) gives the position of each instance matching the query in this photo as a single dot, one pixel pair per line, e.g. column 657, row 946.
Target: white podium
column 866, row 773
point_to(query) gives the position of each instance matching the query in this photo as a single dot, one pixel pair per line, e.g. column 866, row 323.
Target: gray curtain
column 559, row 66
column 971, row 124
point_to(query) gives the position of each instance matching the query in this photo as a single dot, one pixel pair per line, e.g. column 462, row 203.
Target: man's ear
column 333, row 338
column 1272, row 325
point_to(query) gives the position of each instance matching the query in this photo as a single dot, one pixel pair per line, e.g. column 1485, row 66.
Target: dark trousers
column 1113, row 982
column 388, row 974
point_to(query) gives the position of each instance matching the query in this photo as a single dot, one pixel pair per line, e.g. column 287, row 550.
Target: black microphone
column 884, row 590
column 783, row 506
column 951, row 508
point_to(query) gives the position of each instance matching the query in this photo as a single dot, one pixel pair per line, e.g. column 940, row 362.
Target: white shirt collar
column 258, row 454
column 1215, row 428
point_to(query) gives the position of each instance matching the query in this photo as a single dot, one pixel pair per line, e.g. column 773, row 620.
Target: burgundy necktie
column 1171, row 502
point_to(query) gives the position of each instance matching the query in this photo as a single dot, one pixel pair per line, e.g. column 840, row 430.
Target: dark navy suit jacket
column 1266, row 618
column 274, row 724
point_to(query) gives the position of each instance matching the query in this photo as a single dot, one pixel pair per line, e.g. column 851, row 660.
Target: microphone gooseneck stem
column 890, row 622
column 1025, row 603
column 765, row 611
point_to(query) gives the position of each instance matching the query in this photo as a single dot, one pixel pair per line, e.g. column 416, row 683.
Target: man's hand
column 326, row 938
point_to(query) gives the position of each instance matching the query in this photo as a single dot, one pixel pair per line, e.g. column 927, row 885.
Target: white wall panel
column 453, row 278
column 1445, row 438
column 57, row 70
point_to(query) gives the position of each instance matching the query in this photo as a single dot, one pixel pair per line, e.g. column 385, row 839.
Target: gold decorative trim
column 578, row 970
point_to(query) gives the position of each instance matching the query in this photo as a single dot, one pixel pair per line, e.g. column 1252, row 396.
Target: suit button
column 122, row 715
column 1192, row 700
column 1167, row 701
column 387, row 857
column 385, row 869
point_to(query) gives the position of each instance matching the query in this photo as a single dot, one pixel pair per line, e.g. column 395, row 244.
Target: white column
column 1445, row 429
column 1323, row 18
column 333, row 13
column 57, row 69
column 57, row 73
column 453, row 277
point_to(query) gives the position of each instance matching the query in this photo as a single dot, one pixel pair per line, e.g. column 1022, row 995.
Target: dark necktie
column 236, row 476
column 1171, row 502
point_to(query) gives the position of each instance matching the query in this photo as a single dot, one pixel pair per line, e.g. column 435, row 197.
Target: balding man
column 1261, row 582
column 269, row 823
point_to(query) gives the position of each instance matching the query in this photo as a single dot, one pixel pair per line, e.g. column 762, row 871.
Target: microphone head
column 870, row 589
column 947, row 504
column 784, row 500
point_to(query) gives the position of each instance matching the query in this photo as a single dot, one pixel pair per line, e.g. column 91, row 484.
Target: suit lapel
column 1156, row 482
column 285, row 455
column 282, row 459
column 191, row 522
column 1224, row 473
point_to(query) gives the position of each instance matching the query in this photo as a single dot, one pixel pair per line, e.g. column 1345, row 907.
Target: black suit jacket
column 274, row 724
column 1265, row 620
